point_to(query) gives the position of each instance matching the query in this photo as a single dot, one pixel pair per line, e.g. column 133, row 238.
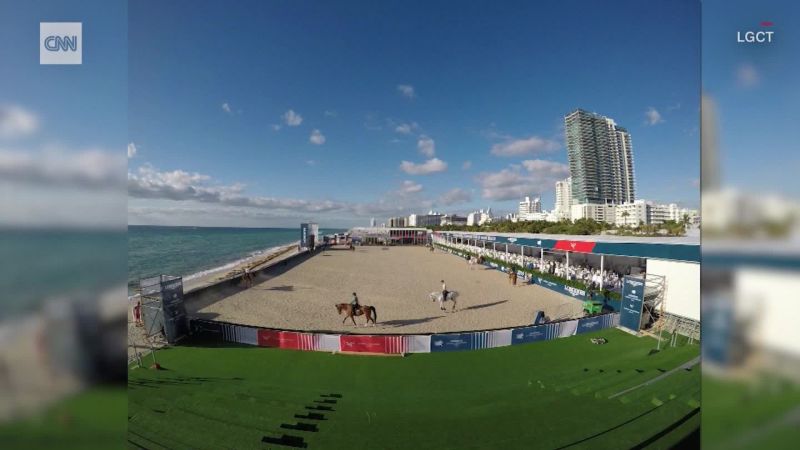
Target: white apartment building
column 529, row 206
column 453, row 219
column 398, row 222
column 479, row 217
column 595, row 211
column 650, row 213
column 425, row 220
column 632, row 214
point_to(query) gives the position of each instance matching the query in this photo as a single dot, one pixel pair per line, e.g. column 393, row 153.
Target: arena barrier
column 398, row 344
column 561, row 288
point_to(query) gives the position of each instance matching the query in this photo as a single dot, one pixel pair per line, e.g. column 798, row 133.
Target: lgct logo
column 756, row 37
column 60, row 43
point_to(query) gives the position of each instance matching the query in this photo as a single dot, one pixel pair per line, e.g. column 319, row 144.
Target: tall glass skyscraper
column 600, row 159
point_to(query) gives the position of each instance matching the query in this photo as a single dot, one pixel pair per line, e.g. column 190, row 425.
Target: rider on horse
column 354, row 304
column 444, row 291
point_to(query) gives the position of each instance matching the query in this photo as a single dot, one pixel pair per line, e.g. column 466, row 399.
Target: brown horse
column 368, row 311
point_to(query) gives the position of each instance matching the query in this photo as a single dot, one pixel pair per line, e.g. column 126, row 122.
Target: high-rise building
column 600, row 157
column 372, row 222
column 398, row 222
column 563, row 209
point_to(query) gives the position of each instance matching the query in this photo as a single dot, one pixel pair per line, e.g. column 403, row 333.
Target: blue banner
column 589, row 324
column 304, row 235
column 562, row 289
column 529, row 334
column 452, row 342
column 632, row 303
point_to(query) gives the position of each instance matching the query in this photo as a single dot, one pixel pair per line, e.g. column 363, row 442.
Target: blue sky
column 63, row 129
column 755, row 89
column 487, row 85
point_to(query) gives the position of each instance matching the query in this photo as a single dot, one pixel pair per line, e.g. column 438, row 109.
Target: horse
column 369, row 311
column 472, row 262
column 451, row 297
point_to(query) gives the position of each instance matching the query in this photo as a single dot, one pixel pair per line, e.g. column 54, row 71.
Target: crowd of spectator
column 592, row 277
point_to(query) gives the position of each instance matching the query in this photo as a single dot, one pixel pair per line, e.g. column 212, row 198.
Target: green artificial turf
column 541, row 395
column 754, row 414
column 94, row 419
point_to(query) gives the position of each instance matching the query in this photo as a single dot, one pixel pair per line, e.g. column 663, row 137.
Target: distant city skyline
column 271, row 128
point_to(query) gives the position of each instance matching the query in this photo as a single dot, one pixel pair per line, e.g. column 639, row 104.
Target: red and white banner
column 575, row 246
column 385, row 344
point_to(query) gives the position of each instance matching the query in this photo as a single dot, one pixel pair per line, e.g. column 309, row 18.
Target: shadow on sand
column 404, row 322
column 485, row 305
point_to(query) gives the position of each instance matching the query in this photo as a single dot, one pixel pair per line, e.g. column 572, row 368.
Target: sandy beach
column 397, row 281
column 137, row 340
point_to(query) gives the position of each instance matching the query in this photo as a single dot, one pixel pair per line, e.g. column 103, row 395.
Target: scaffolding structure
column 163, row 314
column 653, row 301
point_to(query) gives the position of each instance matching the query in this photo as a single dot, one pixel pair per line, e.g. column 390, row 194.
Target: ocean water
column 47, row 264
column 194, row 251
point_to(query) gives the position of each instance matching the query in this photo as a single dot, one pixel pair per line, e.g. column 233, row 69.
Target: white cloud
column 179, row 185
column 652, row 116
column 428, row 167
column 311, row 162
column 227, row 108
column 406, row 90
column 513, row 183
column 329, row 113
column 317, row 138
column 426, row 146
column 406, row 128
column 519, row 147
column 747, row 76
column 467, row 165
column 454, row 196
column 84, row 169
column 276, row 127
column 292, row 118
column 409, row 187
column 15, row 122
column 131, row 150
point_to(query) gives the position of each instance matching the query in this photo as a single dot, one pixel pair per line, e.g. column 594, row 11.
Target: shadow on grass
column 156, row 383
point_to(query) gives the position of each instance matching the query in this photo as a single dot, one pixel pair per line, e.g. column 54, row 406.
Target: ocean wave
column 230, row 265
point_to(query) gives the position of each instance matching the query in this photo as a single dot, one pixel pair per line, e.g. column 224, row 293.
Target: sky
column 755, row 90
column 269, row 113
column 63, row 129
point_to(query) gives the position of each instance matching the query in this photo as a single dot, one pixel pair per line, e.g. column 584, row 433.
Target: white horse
column 451, row 297
column 473, row 261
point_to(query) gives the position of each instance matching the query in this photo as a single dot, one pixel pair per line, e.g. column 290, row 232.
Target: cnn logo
column 60, row 43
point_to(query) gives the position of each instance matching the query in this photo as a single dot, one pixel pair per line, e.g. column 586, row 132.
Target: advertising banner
column 589, row 324
column 632, row 303
column 240, row 334
column 328, row 342
column 279, row 339
column 527, row 335
column 452, row 342
column 575, row 246
column 567, row 329
column 305, row 235
column 418, row 344
column 372, row 344
column 562, row 289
